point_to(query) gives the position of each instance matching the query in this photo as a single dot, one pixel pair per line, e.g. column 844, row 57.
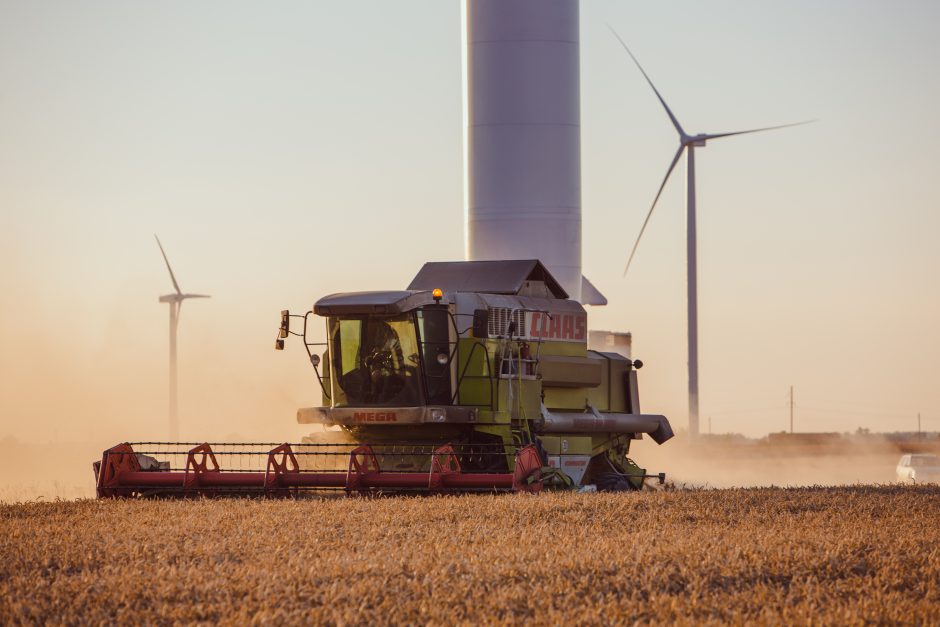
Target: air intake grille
column 500, row 318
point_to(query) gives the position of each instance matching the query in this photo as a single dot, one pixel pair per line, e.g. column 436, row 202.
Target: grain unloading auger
column 475, row 378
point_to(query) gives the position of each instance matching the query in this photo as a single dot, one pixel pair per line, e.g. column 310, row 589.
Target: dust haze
column 79, row 380
column 67, row 396
column 725, row 462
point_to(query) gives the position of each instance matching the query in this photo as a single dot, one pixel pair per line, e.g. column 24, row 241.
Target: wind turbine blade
column 196, row 296
column 175, row 284
column 672, row 166
column 675, row 122
column 756, row 130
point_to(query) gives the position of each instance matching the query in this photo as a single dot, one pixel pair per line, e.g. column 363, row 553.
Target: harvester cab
column 476, row 377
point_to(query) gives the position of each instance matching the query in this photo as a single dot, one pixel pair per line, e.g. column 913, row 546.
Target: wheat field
column 807, row 555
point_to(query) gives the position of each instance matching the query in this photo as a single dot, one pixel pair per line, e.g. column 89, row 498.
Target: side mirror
column 481, row 323
column 285, row 324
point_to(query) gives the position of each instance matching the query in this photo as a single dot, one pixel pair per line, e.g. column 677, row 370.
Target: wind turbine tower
column 522, row 136
column 175, row 301
column 688, row 144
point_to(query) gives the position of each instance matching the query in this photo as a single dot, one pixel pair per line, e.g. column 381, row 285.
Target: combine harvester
column 475, row 378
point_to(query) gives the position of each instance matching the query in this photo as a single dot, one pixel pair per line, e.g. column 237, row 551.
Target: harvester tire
column 611, row 482
column 602, row 473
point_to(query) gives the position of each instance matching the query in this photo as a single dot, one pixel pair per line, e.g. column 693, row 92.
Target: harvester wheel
column 610, row 482
column 603, row 473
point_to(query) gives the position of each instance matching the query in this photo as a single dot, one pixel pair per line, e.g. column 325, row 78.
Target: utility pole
column 791, row 409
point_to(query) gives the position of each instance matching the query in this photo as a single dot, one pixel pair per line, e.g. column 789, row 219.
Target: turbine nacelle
column 697, row 141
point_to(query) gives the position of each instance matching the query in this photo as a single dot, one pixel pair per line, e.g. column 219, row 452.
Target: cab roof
column 487, row 277
column 383, row 303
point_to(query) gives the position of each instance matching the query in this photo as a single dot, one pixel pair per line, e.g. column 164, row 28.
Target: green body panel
column 475, row 370
column 567, row 349
column 609, row 395
column 576, row 444
column 478, row 366
column 519, row 399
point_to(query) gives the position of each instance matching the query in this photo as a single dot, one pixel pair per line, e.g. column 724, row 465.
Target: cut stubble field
column 845, row 555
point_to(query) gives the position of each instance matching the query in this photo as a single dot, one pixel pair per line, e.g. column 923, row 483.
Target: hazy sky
column 286, row 150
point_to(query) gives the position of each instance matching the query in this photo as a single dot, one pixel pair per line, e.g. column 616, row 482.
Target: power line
column 825, row 410
column 780, row 407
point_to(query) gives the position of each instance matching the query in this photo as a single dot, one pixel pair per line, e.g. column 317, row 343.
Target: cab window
column 375, row 361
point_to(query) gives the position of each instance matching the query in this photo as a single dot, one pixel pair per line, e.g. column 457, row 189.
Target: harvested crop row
column 838, row 555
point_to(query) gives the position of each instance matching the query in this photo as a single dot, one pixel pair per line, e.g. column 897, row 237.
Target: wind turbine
column 687, row 143
column 175, row 301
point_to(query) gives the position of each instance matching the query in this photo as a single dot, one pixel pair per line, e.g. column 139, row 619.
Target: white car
column 919, row 468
